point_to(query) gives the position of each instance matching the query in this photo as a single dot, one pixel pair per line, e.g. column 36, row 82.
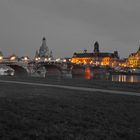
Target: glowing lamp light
column 45, row 59
column 49, row 59
column 12, row 58
column 1, row 57
column 58, row 59
column 37, row 58
column 64, row 60
column 25, row 58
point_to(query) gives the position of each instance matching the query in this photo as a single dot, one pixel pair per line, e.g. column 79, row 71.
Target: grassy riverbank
column 92, row 83
column 41, row 113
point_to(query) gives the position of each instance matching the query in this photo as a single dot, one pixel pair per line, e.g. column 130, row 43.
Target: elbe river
column 117, row 78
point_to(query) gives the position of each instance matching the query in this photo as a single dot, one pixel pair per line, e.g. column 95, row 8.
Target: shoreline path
column 118, row 92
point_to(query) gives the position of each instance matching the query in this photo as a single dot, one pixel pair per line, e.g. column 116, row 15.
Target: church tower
column 96, row 47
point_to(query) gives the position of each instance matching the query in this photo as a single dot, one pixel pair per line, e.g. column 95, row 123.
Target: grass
column 41, row 113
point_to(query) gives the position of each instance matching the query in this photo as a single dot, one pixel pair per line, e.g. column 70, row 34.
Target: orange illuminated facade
column 134, row 59
column 96, row 58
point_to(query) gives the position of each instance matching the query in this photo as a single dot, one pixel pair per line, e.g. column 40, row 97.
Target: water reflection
column 102, row 74
column 126, row 78
column 118, row 78
column 88, row 73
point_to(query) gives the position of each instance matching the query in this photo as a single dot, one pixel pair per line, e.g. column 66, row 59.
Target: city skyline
column 69, row 26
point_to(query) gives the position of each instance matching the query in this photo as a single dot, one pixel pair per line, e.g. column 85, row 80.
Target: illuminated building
column 123, row 63
column 11, row 58
column 43, row 53
column 134, row 59
column 96, row 58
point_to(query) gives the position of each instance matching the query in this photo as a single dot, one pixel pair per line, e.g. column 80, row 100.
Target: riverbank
column 80, row 82
column 35, row 112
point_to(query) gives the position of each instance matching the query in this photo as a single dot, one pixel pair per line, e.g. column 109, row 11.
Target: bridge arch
column 52, row 70
column 19, row 70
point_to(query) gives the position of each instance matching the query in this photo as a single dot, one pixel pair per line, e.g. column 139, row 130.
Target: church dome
column 43, row 51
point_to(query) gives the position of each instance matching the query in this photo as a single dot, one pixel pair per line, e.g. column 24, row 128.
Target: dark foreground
column 41, row 113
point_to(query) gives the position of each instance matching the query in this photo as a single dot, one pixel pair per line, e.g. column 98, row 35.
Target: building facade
column 96, row 57
column 133, row 60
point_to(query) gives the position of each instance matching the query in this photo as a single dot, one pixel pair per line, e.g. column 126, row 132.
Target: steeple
column 96, row 47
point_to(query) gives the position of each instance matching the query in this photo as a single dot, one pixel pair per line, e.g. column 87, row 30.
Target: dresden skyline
column 69, row 26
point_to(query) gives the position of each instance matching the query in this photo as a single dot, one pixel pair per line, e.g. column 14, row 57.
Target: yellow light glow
column 25, row 58
column 12, row 58
column 1, row 57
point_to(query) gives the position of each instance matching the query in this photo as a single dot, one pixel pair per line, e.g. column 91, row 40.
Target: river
column 117, row 78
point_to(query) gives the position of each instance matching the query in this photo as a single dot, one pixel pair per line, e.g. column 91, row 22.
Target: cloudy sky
column 69, row 26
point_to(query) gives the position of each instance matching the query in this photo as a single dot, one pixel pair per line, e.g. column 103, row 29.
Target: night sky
column 69, row 26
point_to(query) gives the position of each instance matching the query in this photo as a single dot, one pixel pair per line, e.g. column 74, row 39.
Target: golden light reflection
column 88, row 73
column 126, row 78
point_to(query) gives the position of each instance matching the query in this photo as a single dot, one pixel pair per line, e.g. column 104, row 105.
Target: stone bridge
column 52, row 68
column 19, row 68
column 25, row 69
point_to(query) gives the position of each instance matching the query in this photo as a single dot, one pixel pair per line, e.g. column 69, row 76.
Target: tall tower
column 96, row 47
column 44, row 50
